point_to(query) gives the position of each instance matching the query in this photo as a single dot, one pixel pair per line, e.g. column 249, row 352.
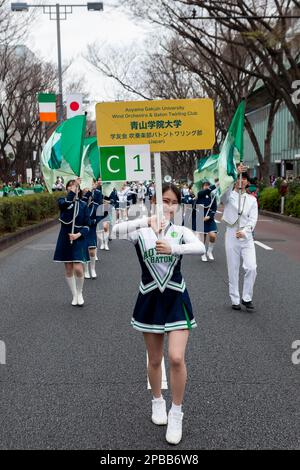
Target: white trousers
column 235, row 250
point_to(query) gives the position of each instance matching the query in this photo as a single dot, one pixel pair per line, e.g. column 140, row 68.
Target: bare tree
column 20, row 130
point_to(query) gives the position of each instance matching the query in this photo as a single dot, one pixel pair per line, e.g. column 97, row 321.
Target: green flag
column 62, row 154
column 223, row 166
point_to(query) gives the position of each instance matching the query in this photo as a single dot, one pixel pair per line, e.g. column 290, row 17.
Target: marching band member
column 239, row 241
column 94, row 199
column 103, row 226
column 163, row 304
column 209, row 204
column 73, row 255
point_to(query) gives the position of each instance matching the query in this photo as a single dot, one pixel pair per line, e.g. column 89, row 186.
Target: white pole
column 158, row 189
column 240, row 200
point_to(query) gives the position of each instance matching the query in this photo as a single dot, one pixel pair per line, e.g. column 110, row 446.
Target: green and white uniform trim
column 180, row 325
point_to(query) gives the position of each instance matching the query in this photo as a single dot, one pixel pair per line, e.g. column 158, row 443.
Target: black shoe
column 236, row 307
column 249, row 306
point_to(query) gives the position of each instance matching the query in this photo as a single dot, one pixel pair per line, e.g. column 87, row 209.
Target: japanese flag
column 74, row 105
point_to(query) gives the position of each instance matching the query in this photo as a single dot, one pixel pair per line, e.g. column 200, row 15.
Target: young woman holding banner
column 71, row 247
column 163, row 304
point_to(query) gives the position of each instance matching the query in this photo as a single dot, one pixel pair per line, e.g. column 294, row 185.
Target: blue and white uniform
column 94, row 200
column 76, row 252
column 163, row 303
column 209, row 204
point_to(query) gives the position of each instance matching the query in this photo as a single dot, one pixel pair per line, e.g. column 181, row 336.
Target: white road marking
column 262, row 245
column 164, row 382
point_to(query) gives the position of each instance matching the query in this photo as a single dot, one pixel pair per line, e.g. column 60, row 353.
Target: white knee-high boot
column 93, row 267
column 72, row 285
column 79, row 287
column 106, row 237
column 210, row 250
column 101, row 237
column 86, row 271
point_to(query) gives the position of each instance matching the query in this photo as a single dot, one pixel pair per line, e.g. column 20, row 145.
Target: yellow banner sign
column 166, row 125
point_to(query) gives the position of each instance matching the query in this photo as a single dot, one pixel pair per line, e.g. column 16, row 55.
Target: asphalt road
column 76, row 378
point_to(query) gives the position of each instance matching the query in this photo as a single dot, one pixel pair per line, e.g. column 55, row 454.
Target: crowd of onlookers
column 13, row 188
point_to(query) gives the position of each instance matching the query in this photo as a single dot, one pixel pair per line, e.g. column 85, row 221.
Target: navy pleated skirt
column 67, row 253
column 162, row 312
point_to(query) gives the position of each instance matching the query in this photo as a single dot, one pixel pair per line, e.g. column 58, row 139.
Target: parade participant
column 163, row 304
column 74, row 254
column 141, row 193
column 207, row 200
column 123, row 203
column 94, row 199
column 239, row 241
column 6, row 190
column 103, row 226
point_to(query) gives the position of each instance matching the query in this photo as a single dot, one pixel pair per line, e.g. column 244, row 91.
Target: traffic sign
column 125, row 163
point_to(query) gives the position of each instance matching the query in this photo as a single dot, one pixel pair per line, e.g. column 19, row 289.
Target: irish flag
column 47, row 107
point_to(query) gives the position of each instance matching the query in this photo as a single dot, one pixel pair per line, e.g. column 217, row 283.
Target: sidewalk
column 283, row 218
column 12, row 238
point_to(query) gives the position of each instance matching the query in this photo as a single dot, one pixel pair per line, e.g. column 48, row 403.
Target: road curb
column 283, row 218
column 13, row 238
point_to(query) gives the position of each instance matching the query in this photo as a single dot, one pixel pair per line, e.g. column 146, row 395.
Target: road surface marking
column 164, row 382
column 262, row 245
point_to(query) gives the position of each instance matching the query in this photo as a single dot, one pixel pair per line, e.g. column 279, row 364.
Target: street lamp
column 58, row 13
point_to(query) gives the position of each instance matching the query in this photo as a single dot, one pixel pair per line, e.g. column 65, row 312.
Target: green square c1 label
column 125, row 163
column 112, row 163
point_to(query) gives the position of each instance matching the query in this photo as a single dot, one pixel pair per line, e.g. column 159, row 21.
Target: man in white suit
column 239, row 243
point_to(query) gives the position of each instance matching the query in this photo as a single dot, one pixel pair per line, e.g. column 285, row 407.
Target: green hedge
column 292, row 205
column 20, row 211
column 270, row 200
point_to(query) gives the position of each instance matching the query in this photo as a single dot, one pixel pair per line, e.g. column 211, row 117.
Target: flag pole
column 158, row 191
column 75, row 210
column 240, row 180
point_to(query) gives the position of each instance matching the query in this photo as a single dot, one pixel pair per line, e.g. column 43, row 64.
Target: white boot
column 72, row 284
column 96, row 257
column 106, row 236
column 86, row 271
column 101, row 237
column 93, row 267
column 210, row 251
column 204, row 257
column 79, row 287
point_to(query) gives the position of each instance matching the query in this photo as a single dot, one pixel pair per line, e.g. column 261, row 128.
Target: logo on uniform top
column 152, row 256
column 174, row 234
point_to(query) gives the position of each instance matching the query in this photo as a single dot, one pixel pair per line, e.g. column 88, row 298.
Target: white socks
column 176, row 408
column 158, row 399
column 72, row 285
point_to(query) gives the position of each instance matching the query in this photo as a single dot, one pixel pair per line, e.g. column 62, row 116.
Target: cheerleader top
column 160, row 271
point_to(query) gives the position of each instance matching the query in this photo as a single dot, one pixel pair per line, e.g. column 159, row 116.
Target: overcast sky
column 113, row 26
